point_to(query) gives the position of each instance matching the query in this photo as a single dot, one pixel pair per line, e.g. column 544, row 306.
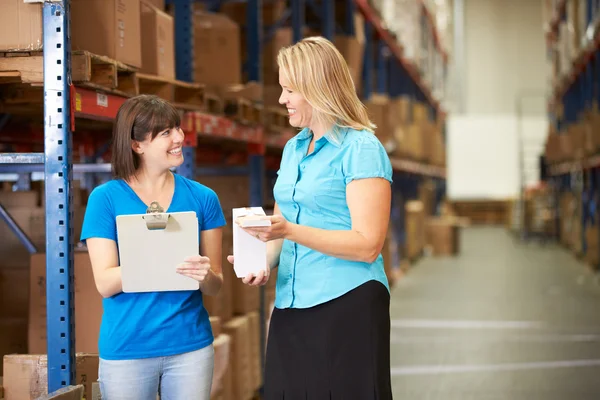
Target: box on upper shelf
column 21, row 26
column 158, row 41
column 110, row 28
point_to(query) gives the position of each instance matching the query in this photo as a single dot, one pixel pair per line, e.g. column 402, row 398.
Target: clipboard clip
column 155, row 217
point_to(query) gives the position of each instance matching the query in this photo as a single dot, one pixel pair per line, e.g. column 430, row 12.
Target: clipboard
column 151, row 246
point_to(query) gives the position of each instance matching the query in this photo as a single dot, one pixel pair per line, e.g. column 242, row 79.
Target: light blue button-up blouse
column 311, row 190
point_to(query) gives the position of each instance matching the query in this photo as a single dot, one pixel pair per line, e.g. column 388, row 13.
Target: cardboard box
column 352, row 50
column 158, row 41
column 12, row 252
column 378, row 110
column 21, row 26
column 272, row 11
column 443, row 236
column 222, row 347
column 245, row 298
column 271, row 95
column 160, row 4
column 239, row 331
column 217, row 43
column 221, row 305
column 24, row 198
column 420, row 112
column 14, row 292
column 66, row 393
column 88, row 305
column 215, row 325
column 32, row 222
column 13, row 337
column 414, row 142
column 281, row 38
column 110, row 28
column 26, row 375
column 255, row 359
column 415, row 228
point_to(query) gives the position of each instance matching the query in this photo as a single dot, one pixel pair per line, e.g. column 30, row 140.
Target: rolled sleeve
column 367, row 158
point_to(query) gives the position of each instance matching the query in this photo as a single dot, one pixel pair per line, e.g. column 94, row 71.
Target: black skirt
column 339, row 350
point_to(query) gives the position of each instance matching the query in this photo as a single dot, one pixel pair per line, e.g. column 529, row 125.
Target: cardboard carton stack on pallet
column 406, row 129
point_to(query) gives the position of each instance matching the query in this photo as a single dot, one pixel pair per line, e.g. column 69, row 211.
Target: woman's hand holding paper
column 195, row 267
column 261, row 278
column 278, row 229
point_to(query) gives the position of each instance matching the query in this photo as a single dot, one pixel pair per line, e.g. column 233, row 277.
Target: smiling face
column 162, row 152
column 300, row 112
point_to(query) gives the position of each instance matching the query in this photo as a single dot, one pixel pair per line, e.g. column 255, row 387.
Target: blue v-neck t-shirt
column 155, row 324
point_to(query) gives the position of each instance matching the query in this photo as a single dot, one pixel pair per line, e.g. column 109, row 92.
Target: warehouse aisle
column 501, row 321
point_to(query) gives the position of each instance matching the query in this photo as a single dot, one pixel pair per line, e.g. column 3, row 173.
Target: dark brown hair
column 138, row 118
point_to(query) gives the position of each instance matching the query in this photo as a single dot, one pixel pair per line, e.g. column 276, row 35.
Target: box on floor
column 26, row 375
column 13, row 337
column 88, row 305
column 443, row 236
column 240, row 356
column 222, row 347
column 415, row 228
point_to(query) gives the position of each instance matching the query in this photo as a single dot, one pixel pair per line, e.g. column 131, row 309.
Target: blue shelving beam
column 298, row 19
column 254, row 39
column 350, row 9
column 328, row 19
column 382, row 67
column 184, row 68
column 58, row 174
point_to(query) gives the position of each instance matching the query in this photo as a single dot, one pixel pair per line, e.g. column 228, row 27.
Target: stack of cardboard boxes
column 406, row 129
column 577, row 141
column 429, row 230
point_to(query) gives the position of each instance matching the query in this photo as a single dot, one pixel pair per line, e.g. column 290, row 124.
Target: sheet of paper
column 249, row 252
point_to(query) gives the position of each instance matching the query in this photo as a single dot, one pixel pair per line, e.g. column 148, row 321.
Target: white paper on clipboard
column 249, row 253
column 152, row 245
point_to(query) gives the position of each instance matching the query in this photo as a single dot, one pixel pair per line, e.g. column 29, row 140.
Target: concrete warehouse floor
column 503, row 320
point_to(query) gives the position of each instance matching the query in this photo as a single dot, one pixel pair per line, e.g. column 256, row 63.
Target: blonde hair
column 315, row 68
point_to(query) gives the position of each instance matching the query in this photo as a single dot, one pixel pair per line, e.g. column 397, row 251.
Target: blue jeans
column 183, row 376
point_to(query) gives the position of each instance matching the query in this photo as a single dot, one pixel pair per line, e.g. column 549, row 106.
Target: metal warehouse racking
column 64, row 101
column 574, row 93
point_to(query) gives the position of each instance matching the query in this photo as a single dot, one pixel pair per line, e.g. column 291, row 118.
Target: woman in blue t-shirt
column 157, row 342
column 329, row 336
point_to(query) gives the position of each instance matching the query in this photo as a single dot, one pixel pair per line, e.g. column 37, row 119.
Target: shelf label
column 77, row 101
column 101, row 100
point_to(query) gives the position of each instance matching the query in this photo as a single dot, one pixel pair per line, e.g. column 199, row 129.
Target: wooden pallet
column 487, row 212
column 276, row 119
column 87, row 70
column 243, row 111
column 103, row 73
column 22, row 67
column 214, row 104
column 183, row 95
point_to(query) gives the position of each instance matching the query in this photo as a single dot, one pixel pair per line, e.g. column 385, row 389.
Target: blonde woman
column 329, row 336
